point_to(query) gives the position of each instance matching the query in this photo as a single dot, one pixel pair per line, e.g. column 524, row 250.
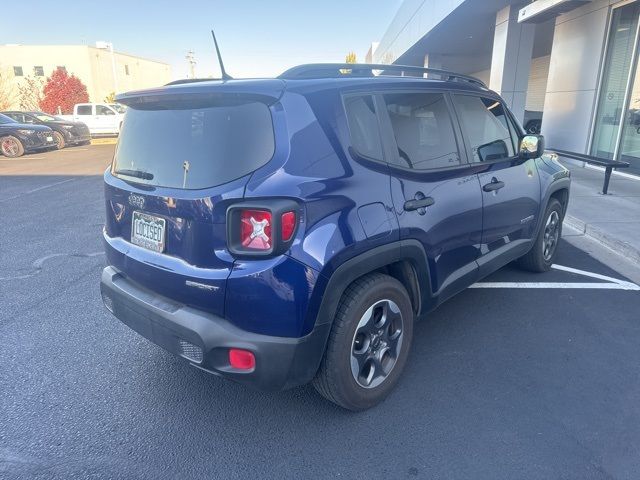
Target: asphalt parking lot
column 524, row 376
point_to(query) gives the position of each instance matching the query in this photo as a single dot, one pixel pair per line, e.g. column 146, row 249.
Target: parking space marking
column 38, row 189
column 609, row 283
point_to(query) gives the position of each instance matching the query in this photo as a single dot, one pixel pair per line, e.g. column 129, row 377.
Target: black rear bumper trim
column 281, row 362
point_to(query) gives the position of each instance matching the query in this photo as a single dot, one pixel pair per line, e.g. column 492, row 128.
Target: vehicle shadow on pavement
column 518, row 377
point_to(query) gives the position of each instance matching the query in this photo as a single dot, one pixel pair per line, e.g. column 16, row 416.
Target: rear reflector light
column 288, row 225
column 242, row 359
column 255, row 229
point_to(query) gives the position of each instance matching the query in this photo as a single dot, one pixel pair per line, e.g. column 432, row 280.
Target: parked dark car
column 283, row 231
column 65, row 132
column 19, row 138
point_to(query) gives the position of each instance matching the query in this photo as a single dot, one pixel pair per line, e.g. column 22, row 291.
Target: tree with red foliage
column 62, row 92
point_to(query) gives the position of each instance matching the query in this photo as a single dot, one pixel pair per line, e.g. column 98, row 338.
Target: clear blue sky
column 257, row 38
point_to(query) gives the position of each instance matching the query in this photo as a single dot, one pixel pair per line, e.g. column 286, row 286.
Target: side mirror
column 531, row 146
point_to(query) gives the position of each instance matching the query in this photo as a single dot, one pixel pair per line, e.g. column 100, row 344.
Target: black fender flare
column 563, row 183
column 409, row 250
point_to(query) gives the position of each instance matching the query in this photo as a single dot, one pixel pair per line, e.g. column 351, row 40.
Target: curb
column 630, row 252
column 104, row 141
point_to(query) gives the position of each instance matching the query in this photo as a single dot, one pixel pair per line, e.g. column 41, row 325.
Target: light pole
column 109, row 46
column 191, row 59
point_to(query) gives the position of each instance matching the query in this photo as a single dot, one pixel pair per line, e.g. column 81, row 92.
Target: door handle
column 420, row 203
column 494, row 185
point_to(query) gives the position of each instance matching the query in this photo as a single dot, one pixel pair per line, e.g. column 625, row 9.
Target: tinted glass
column 4, row 119
column 102, row 110
column 422, row 126
column 195, row 146
column 43, row 117
column 17, row 71
column 38, row 71
column 15, row 116
column 486, row 127
column 363, row 126
column 84, row 110
column 118, row 108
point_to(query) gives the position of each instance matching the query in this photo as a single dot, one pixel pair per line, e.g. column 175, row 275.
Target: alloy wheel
column 551, row 235
column 10, row 147
column 376, row 343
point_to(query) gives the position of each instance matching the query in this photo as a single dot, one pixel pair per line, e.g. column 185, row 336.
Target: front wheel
column 11, row 147
column 542, row 254
column 58, row 138
column 369, row 343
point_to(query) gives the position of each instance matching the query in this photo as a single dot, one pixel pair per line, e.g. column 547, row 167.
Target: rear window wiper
column 135, row 173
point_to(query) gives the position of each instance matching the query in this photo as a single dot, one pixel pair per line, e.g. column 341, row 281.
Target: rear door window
column 363, row 126
column 104, row 110
column 193, row 146
column 423, row 130
column 485, row 124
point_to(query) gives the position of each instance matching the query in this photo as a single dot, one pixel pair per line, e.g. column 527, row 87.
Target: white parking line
column 37, row 189
column 609, row 284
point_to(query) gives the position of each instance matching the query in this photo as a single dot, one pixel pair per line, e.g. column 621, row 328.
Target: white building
column 101, row 70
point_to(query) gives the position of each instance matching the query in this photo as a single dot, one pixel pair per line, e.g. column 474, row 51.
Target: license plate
column 148, row 231
column 49, row 139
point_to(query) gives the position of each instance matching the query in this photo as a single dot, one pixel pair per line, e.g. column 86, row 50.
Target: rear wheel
column 541, row 256
column 11, row 147
column 369, row 343
column 58, row 138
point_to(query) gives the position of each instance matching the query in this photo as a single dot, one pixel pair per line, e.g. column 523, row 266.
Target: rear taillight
column 263, row 229
column 255, row 230
column 288, row 225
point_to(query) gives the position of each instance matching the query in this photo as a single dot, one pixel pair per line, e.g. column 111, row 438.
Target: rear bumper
column 204, row 339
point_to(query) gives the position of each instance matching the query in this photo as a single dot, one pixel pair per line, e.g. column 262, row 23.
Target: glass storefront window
column 618, row 62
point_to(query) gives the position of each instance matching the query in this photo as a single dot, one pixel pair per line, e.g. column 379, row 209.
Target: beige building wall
column 91, row 65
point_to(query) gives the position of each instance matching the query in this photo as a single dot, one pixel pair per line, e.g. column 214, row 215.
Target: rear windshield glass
column 198, row 146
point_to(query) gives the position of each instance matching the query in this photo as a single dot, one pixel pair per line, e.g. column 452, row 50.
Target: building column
column 433, row 60
column 511, row 59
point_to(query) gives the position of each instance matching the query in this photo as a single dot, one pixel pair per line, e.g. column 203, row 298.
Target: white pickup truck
column 101, row 118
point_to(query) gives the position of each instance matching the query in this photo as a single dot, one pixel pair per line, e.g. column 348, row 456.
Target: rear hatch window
column 193, row 145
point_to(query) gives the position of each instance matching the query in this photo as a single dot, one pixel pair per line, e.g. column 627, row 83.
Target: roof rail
column 337, row 70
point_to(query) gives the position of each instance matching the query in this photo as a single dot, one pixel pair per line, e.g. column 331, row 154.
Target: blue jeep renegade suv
column 291, row 230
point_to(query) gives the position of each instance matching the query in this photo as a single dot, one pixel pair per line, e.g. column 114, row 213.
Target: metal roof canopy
column 543, row 10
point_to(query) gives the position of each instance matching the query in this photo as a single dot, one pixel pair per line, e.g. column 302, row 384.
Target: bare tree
column 30, row 93
column 7, row 96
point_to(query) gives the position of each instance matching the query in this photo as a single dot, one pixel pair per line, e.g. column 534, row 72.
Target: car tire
column 58, row 138
column 369, row 343
column 544, row 250
column 11, row 147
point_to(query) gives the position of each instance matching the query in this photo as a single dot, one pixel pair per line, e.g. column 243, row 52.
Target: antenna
column 225, row 75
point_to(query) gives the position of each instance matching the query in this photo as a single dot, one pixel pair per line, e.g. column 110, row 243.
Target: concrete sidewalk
column 614, row 219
